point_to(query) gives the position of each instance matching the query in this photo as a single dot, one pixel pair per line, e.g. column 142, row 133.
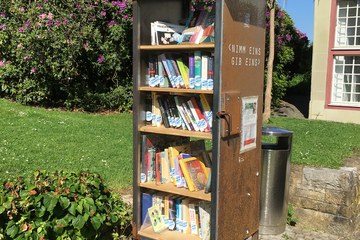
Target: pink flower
column 43, row 16
column 103, row 13
column 101, row 59
column 111, row 23
column 86, row 46
column 33, row 70
column 2, row 63
column 65, row 21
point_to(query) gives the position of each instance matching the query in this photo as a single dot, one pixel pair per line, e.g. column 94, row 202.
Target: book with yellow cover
column 174, row 152
column 195, row 173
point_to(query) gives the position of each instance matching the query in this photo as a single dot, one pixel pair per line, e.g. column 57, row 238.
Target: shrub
column 56, row 52
column 61, row 205
column 292, row 56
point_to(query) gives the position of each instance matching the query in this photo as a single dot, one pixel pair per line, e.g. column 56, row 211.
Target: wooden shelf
column 170, row 188
column 174, row 90
column 186, row 46
column 166, row 235
column 175, row 132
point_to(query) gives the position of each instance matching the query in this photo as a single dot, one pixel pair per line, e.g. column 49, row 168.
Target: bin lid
column 275, row 131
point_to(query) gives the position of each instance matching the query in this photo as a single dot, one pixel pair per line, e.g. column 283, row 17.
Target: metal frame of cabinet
column 236, row 133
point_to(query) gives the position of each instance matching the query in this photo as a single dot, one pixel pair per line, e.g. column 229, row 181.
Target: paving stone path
column 296, row 233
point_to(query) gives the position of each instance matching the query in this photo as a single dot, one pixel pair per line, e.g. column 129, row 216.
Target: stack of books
column 199, row 28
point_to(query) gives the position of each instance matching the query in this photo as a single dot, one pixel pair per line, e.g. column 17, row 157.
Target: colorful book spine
column 146, row 203
column 197, row 69
column 165, row 166
column 184, row 71
column 156, row 113
column 202, row 123
column 210, row 73
column 152, row 80
column 194, row 229
column 158, row 168
column 186, row 120
column 206, row 109
column 204, row 71
column 179, row 80
column 190, row 116
column 163, row 79
column 164, row 112
column 171, row 74
column 191, row 71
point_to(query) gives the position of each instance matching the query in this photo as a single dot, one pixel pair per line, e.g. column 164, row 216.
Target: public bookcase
column 217, row 123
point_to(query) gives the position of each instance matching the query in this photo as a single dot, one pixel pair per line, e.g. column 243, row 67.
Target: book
column 194, row 228
column 210, row 73
column 164, row 33
column 174, row 112
column 156, row 218
column 165, row 166
column 184, row 71
column 185, row 216
column 146, row 203
column 156, row 114
column 179, row 80
column 174, row 151
column 204, row 104
column 164, row 112
column 170, row 74
column 177, row 204
column 195, row 173
column 163, row 79
column 152, row 79
column 197, row 69
column 208, row 34
column 145, row 167
column 181, row 111
column 190, row 116
column 203, row 125
column 158, row 168
column 187, row 34
column 197, row 35
column 204, row 71
column 148, row 109
column 204, row 219
column 151, row 173
column 191, row 71
column 200, row 122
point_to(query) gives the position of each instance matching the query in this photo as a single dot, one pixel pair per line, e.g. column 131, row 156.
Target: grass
column 320, row 143
column 35, row 138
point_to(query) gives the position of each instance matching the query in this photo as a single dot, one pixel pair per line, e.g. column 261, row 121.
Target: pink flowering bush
column 65, row 53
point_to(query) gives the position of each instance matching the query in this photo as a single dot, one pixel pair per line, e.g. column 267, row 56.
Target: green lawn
column 320, row 143
column 35, row 138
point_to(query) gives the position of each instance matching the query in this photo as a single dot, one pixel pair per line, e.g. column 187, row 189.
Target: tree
column 270, row 62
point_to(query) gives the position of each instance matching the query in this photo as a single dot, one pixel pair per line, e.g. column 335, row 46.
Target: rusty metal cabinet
column 237, row 97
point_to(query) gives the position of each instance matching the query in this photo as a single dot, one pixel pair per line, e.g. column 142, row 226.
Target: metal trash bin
column 275, row 174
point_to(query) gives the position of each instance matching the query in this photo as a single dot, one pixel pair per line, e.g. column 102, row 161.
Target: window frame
column 335, row 51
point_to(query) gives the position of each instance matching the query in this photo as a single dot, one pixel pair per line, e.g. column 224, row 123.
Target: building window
column 348, row 24
column 345, row 84
column 346, row 81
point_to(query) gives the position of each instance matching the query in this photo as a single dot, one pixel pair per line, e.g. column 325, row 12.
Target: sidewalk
column 296, row 233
